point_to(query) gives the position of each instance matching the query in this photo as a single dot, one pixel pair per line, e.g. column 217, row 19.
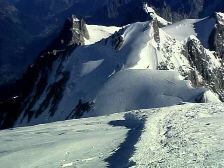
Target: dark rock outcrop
column 35, row 80
column 216, row 42
column 80, row 109
column 200, row 60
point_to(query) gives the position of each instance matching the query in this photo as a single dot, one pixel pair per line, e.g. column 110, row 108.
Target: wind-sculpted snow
column 189, row 135
column 116, row 74
column 142, row 89
column 97, row 33
column 112, row 69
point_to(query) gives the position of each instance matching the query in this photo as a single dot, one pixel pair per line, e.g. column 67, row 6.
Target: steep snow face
column 189, row 135
column 201, row 28
column 210, row 97
column 97, row 33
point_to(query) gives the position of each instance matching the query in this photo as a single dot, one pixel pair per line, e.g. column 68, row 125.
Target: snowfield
column 189, row 135
column 97, row 33
column 137, row 67
column 187, row 27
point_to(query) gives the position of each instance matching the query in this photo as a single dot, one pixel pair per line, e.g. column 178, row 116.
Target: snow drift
column 189, row 135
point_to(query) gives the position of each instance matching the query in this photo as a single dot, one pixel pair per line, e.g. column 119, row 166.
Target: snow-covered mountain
column 28, row 26
column 190, row 135
column 146, row 94
column 91, row 70
column 39, row 21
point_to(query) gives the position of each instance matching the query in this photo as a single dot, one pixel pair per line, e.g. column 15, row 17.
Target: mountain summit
column 137, row 66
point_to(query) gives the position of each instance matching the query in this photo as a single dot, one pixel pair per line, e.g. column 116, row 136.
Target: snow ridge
column 189, row 135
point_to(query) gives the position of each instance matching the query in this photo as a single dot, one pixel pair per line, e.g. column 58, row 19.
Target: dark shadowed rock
column 199, row 60
column 216, row 42
column 35, row 80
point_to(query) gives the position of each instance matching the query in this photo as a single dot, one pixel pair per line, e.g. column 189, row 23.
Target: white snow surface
column 142, row 89
column 189, row 135
column 201, row 28
column 211, row 97
column 97, row 33
column 121, row 80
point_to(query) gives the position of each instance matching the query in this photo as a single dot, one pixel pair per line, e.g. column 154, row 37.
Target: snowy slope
column 97, row 33
column 118, row 73
column 201, row 28
column 153, row 14
column 189, row 135
column 105, row 77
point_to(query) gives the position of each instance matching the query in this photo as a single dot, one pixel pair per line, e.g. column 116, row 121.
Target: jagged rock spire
column 73, row 33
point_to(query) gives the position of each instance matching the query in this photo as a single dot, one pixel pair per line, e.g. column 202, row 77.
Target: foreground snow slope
column 190, row 135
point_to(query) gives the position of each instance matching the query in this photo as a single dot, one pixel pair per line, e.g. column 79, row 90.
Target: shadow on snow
column 120, row 159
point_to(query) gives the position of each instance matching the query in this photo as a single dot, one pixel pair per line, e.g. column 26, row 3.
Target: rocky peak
column 216, row 37
column 73, row 32
column 206, row 66
column 220, row 18
column 35, row 81
column 79, row 30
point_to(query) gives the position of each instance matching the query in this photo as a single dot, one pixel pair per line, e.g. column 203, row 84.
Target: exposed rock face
column 206, row 66
column 29, row 26
column 35, row 80
column 73, row 32
column 80, row 109
column 144, row 44
column 216, row 38
column 37, row 20
column 156, row 31
column 200, row 60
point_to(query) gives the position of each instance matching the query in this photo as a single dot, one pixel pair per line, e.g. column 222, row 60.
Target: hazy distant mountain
column 27, row 26
column 12, row 37
column 129, row 11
